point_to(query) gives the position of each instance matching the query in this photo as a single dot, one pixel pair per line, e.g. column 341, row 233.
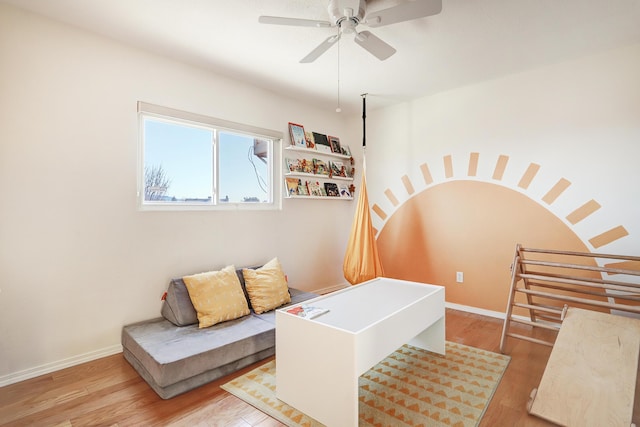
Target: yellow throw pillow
column 217, row 296
column 266, row 286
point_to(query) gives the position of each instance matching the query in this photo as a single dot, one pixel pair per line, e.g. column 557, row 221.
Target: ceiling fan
column 346, row 15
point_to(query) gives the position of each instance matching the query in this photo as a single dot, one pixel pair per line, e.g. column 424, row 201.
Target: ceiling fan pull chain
column 338, row 109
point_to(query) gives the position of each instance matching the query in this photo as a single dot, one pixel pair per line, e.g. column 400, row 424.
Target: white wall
column 77, row 259
column 578, row 120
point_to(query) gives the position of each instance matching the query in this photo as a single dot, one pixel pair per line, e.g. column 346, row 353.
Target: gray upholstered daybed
column 174, row 355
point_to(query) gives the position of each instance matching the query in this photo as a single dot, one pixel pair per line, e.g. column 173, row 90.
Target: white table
column 318, row 361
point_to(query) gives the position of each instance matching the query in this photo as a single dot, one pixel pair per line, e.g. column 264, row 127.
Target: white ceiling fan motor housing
column 340, row 10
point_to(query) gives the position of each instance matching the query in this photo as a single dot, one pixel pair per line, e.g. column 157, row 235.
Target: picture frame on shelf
column 296, row 132
column 322, row 142
column 334, row 143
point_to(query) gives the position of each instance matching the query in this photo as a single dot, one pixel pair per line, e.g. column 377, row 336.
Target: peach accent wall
column 471, row 227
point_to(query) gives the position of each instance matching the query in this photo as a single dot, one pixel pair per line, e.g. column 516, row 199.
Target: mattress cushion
column 171, row 354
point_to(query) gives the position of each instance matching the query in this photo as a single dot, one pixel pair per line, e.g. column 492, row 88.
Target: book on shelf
column 344, row 191
column 300, row 165
column 306, row 166
column 322, row 143
column 302, row 189
column 292, row 186
column 315, row 189
column 331, row 189
column 307, row 311
column 310, row 140
column 334, row 142
column 338, row 169
column 351, row 171
column 293, row 165
column 320, row 167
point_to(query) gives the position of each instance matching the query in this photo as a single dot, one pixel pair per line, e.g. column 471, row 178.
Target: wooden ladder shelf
column 590, row 377
column 544, row 283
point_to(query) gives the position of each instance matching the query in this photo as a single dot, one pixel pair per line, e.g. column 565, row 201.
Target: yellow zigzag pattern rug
column 411, row 387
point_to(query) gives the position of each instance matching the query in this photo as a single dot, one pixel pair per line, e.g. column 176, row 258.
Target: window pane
column 178, row 162
column 243, row 172
column 195, row 162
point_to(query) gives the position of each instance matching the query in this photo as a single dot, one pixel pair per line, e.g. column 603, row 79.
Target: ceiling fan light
column 348, row 26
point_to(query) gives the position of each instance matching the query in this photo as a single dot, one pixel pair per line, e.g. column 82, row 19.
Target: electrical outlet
column 459, row 276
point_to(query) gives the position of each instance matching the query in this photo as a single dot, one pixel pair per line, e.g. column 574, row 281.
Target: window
column 190, row 161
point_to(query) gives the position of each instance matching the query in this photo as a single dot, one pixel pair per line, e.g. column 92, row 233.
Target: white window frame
column 146, row 110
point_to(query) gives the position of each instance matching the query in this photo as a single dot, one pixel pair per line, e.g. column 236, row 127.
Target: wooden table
column 590, row 377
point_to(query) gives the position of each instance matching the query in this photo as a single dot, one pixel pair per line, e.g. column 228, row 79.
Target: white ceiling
column 470, row 41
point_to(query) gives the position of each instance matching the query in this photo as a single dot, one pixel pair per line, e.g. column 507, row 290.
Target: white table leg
column 432, row 338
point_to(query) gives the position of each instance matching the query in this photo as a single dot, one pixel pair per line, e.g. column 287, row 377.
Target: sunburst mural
column 462, row 221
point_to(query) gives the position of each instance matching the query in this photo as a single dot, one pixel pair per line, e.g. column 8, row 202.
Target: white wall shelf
column 316, row 152
column 313, row 175
column 319, row 197
column 295, row 180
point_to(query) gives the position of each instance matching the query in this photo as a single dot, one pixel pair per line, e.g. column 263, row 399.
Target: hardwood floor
column 108, row 392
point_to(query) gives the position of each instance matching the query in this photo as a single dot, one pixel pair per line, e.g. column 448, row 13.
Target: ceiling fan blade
column 404, row 12
column 278, row 20
column 374, row 45
column 322, row 48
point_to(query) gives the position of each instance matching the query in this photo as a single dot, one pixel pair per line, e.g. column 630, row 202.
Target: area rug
column 410, row 387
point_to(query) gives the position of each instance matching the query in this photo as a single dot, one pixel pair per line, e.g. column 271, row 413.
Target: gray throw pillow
column 177, row 307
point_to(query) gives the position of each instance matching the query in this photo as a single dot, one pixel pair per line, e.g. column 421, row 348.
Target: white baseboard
column 60, row 364
column 475, row 310
column 489, row 313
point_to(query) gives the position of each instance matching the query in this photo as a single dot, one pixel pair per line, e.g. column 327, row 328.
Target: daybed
column 175, row 354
